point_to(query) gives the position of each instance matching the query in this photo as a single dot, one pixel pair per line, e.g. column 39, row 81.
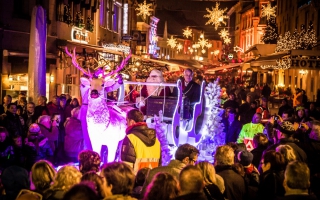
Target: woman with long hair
column 211, row 189
column 42, row 175
column 66, row 177
column 163, row 186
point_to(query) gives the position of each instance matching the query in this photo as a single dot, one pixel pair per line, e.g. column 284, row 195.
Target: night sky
column 182, row 13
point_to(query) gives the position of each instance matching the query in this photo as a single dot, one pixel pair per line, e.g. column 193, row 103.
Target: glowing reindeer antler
column 120, row 67
column 76, row 64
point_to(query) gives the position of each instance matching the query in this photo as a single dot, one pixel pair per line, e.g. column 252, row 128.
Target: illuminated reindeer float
column 104, row 126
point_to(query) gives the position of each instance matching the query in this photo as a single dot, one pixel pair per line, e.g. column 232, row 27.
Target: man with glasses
column 29, row 116
column 186, row 154
column 191, row 93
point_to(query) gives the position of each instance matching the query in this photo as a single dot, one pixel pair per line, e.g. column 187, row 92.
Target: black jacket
column 13, row 125
column 233, row 182
column 192, row 91
column 232, row 131
column 145, row 134
column 271, row 185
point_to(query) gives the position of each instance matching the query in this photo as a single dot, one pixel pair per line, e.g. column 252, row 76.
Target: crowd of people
column 47, row 131
column 265, row 156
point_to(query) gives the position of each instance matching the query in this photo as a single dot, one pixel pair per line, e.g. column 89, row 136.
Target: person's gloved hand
column 120, row 79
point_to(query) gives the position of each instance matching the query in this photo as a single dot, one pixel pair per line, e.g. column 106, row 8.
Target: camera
column 275, row 117
column 300, row 125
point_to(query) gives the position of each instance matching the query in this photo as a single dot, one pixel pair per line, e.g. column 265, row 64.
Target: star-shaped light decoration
column 154, row 38
column 216, row 52
column 172, row 42
column 144, row 9
column 227, row 40
column 187, row 32
column 203, row 42
column 237, row 49
column 224, row 33
column 216, row 16
column 268, row 11
column 179, row 47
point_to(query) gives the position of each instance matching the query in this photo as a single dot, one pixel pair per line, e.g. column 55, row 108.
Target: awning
column 230, row 65
column 73, row 44
column 269, row 59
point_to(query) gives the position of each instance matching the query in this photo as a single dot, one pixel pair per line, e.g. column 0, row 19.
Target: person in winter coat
column 272, row 165
column 73, row 140
column 235, row 188
column 12, row 121
column 6, row 149
column 38, row 146
column 140, row 148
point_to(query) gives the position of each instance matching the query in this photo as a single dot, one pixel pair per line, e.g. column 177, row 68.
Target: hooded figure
column 140, row 148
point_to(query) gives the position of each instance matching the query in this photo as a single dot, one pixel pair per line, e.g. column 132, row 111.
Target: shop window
column 290, row 83
column 104, row 18
column 116, row 18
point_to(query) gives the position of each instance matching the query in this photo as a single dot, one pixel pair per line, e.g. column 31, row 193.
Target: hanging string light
column 216, row 16
column 144, row 9
column 187, row 32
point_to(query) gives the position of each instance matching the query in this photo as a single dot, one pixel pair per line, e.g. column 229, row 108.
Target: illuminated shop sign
column 305, row 63
column 80, row 35
column 125, row 19
column 120, row 48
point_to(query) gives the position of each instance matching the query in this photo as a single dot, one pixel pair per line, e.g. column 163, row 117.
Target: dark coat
column 257, row 155
column 39, row 151
column 246, row 113
column 73, row 142
column 191, row 91
column 53, row 194
column 13, row 125
column 147, row 136
column 271, row 185
column 213, row 192
column 29, row 119
column 232, row 130
column 6, row 153
column 233, row 182
column 41, row 110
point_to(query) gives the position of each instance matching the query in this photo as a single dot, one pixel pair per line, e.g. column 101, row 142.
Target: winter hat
column 14, row 179
column 286, row 127
column 34, row 128
column 245, row 158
